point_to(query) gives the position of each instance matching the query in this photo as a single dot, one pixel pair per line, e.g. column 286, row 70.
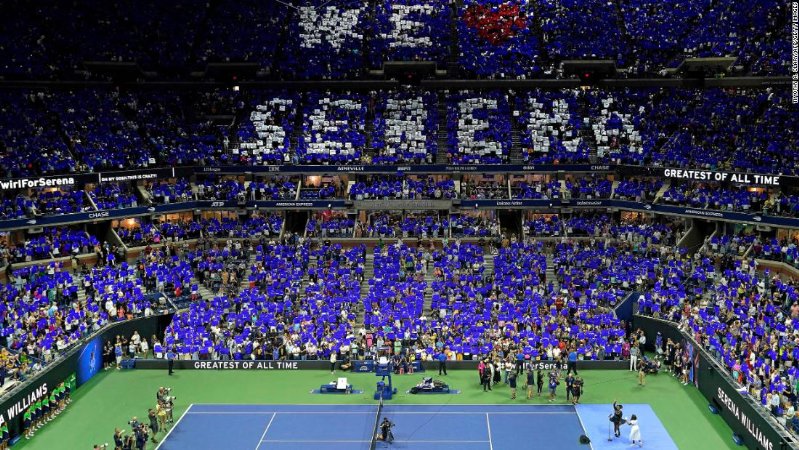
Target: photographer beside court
column 119, row 439
column 140, row 432
column 153, row 417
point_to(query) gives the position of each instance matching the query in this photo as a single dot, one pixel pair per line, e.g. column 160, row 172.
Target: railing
column 72, row 348
column 742, row 423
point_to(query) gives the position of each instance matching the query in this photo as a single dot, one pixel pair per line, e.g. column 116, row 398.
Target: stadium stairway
column 205, row 293
column 488, row 263
column 244, row 283
column 550, row 268
column 145, row 196
column 516, row 142
column 453, row 64
column 81, row 294
column 662, row 191
column 368, row 274
column 587, row 132
column 428, row 292
column 443, row 150
column 294, row 138
column 368, row 151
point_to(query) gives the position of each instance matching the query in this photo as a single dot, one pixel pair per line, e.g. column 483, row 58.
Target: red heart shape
column 495, row 24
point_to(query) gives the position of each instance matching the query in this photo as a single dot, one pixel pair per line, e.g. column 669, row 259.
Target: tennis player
column 617, row 418
column 385, row 431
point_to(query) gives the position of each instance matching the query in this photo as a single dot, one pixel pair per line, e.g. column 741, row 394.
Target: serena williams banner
column 741, row 412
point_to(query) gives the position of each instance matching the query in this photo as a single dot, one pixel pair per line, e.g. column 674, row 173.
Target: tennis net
column 373, row 444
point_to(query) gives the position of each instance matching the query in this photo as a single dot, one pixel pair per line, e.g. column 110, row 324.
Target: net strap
column 373, row 442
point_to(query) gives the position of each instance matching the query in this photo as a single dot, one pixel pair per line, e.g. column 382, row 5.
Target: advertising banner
column 411, row 169
column 76, row 367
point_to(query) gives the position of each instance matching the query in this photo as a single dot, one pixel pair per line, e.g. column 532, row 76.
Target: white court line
column 509, row 405
column 260, row 441
column 394, row 413
column 590, row 444
column 488, row 423
column 175, row 425
column 442, row 442
column 474, row 413
column 320, row 441
column 266, row 413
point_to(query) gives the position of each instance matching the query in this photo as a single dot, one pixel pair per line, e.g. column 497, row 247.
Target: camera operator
column 152, row 415
column 134, row 423
column 162, row 394
column 119, row 439
column 129, row 442
column 141, row 437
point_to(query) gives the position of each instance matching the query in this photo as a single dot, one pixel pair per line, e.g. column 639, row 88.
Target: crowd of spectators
column 113, row 196
column 498, row 38
column 165, row 192
column 405, row 127
column 744, row 314
column 536, row 190
column 330, row 224
column 484, row 188
column 643, row 190
column 730, row 244
column 149, row 233
column 551, row 127
column 333, row 128
column 410, row 30
column 43, row 315
column 256, row 226
column 278, row 189
column 478, row 127
column 400, row 187
column 597, row 225
column 386, row 224
column 582, row 30
column 474, row 226
column 320, row 39
column 31, row 143
column 52, row 243
column 105, row 129
column 221, row 189
column 714, row 196
column 784, row 249
column 589, row 187
column 265, row 138
column 41, row 202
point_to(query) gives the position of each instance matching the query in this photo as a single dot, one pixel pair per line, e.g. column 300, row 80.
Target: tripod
column 609, row 438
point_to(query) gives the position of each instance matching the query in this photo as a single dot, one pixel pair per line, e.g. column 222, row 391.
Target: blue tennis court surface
column 340, row 427
column 597, row 424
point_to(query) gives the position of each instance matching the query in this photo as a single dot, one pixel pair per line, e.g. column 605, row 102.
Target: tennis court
column 306, row 427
